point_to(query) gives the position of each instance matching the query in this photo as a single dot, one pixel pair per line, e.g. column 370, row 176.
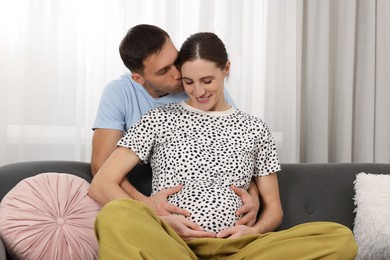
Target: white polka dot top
column 206, row 151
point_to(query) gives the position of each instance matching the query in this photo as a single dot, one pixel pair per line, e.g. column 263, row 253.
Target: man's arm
column 103, row 144
column 271, row 215
column 106, row 186
column 251, row 204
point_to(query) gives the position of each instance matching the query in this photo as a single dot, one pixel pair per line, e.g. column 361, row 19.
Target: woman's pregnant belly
column 213, row 206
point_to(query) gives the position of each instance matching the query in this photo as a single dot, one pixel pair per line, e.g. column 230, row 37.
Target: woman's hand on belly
column 185, row 228
column 236, row 232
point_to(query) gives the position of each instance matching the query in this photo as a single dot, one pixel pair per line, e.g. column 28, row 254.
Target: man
column 148, row 52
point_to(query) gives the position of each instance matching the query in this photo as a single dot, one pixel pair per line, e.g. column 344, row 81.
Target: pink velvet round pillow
column 49, row 216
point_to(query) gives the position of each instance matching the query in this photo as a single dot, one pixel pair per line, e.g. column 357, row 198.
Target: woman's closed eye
column 187, row 81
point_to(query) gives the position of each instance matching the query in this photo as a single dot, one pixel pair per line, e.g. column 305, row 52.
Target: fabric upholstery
column 309, row 192
column 12, row 174
column 321, row 192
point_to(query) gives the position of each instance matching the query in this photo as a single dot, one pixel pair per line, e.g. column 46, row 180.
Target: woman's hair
column 139, row 43
column 203, row 45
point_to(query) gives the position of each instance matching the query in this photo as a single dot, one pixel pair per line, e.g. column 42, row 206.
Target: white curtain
column 345, row 85
column 57, row 55
column 316, row 71
column 328, row 79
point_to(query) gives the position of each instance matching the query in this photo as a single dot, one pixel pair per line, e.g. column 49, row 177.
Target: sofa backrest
column 12, row 174
column 309, row 192
column 321, row 192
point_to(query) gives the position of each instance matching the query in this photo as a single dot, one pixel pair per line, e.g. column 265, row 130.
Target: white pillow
column 372, row 222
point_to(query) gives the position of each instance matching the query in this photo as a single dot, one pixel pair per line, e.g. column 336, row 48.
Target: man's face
column 160, row 75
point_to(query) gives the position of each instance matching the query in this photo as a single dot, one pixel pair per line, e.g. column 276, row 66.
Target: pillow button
column 309, row 210
column 60, row 221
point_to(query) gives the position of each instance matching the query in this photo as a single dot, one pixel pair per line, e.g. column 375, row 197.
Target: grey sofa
column 309, row 192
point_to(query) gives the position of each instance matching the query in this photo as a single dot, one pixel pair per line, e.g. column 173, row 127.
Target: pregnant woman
column 207, row 147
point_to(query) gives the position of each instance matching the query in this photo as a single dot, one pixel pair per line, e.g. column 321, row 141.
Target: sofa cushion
column 49, row 216
column 372, row 226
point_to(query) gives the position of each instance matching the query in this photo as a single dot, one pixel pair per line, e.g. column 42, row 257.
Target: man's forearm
column 253, row 190
column 269, row 219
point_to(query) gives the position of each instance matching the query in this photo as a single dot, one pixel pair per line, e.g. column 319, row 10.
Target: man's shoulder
column 126, row 91
column 124, row 82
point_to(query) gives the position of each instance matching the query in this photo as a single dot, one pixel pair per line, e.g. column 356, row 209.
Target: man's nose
column 175, row 73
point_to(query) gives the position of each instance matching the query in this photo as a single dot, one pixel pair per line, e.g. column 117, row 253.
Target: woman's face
column 204, row 83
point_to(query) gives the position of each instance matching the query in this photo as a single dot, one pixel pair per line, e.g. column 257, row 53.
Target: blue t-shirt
column 124, row 101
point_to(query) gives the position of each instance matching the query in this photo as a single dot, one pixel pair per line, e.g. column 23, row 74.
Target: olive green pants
column 127, row 229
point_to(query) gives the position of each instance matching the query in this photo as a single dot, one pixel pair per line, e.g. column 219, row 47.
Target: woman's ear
column 138, row 78
column 227, row 68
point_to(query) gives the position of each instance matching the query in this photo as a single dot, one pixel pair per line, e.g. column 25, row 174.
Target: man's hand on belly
column 159, row 202
column 185, row 228
column 250, row 207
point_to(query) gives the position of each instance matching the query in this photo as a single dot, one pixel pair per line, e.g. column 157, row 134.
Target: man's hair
column 203, row 45
column 140, row 42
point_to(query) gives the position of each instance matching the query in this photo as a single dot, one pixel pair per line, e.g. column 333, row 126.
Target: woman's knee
column 344, row 241
column 121, row 211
